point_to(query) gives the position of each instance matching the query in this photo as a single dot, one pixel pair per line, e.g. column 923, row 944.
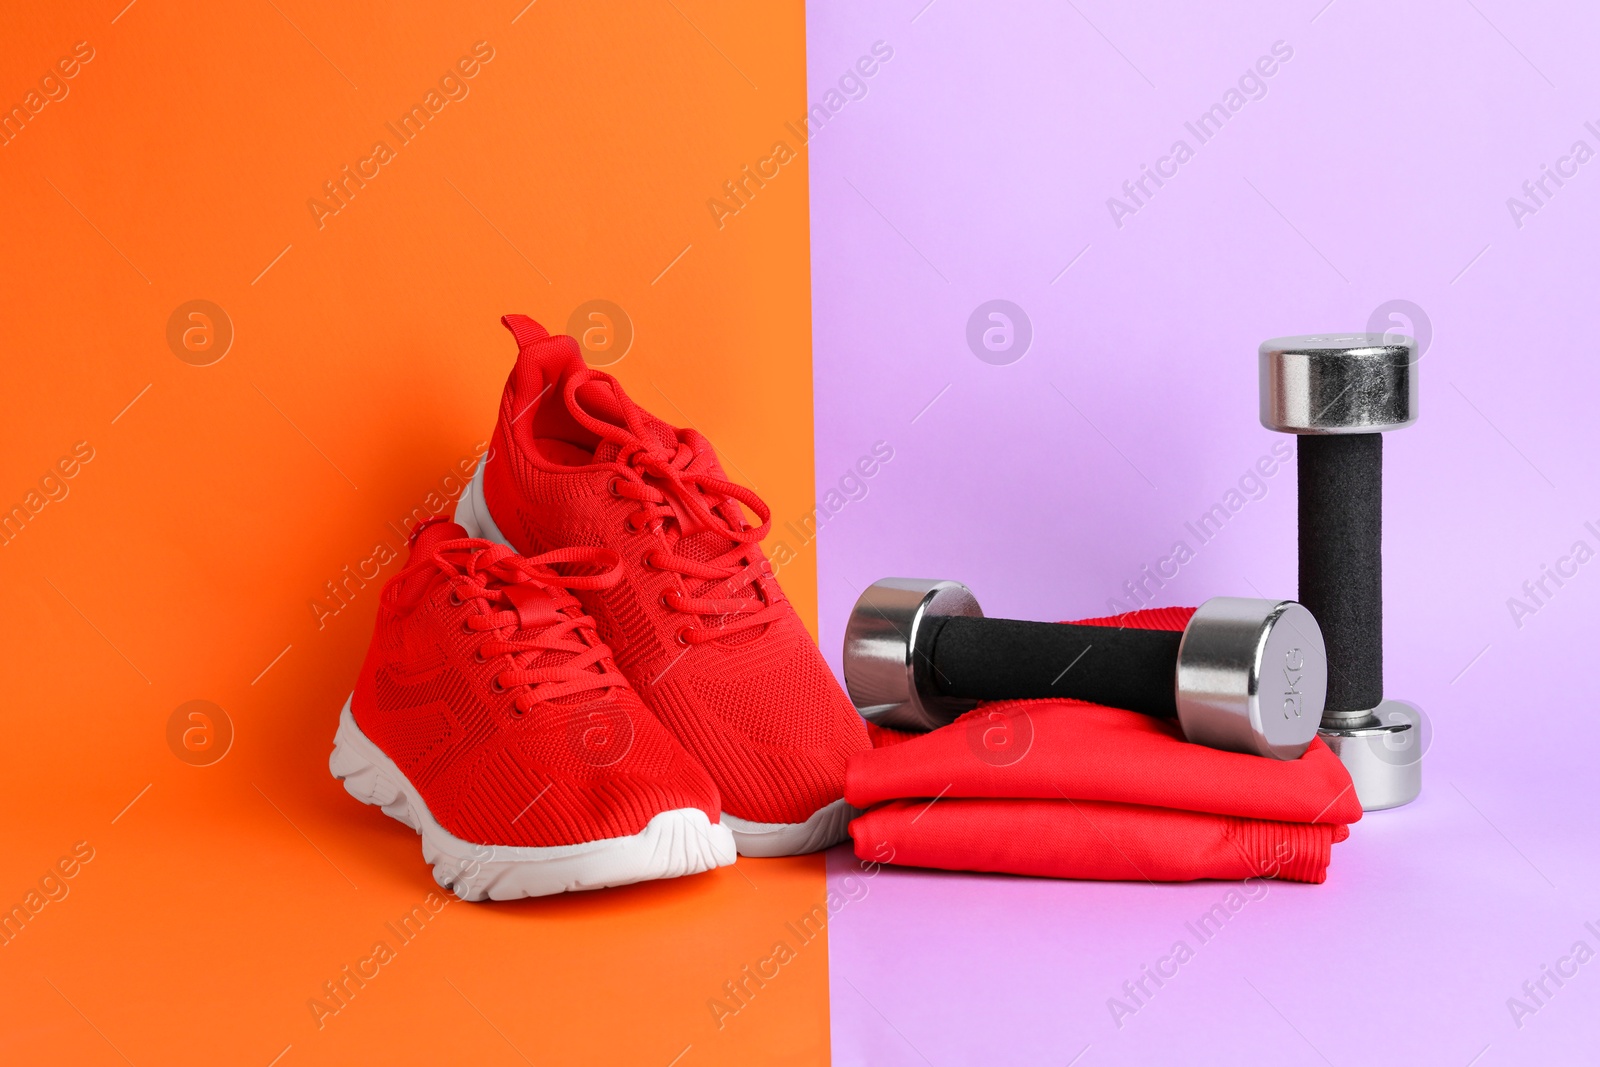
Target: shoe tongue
column 600, row 403
column 420, row 573
column 430, row 532
column 697, row 543
column 602, row 400
column 608, row 451
column 533, row 603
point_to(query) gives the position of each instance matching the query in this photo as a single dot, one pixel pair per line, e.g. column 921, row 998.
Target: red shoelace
column 527, row 611
column 664, row 483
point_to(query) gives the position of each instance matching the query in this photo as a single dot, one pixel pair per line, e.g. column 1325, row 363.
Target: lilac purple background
column 1376, row 168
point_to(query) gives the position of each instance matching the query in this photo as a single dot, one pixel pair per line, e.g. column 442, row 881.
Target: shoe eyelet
column 495, row 687
column 662, row 600
column 466, row 625
column 611, row 486
column 477, row 656
column 455, row 599
column 683, row 637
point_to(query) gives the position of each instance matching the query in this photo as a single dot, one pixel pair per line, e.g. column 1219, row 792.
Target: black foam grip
column 1341, row 560
column 1003, row 659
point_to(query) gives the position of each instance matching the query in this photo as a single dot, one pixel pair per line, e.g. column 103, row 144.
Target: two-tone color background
column 238, row 480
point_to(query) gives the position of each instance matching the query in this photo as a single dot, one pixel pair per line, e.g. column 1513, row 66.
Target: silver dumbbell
column 1340, row 393
column 1245, row 675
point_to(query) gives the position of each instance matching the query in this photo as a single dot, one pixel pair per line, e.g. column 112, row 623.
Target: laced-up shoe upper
column 488, row 686
column 698, row 621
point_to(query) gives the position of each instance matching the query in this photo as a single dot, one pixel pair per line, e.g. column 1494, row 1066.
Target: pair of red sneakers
column 591, row 677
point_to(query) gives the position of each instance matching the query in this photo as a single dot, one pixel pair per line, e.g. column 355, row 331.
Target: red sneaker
column 698, row 622
column 490, row 718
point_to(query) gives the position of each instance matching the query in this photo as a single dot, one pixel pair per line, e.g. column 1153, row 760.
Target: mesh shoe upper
column 488, row 687
column 699, row 624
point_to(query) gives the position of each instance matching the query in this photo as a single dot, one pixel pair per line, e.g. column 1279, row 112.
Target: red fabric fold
column 1091, row 840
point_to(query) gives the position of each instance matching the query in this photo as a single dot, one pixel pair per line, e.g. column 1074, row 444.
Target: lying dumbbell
column 1340, row 393
column 1245, row 675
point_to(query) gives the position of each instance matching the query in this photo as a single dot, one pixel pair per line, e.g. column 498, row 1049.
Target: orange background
column 366, row 364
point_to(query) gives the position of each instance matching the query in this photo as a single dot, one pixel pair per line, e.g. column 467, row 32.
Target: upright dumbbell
column 1245, row 675
column 1340, row 393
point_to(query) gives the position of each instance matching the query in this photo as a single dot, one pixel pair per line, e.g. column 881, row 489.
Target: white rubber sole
column 826, row 827
column 472, row 513
column 672, row 844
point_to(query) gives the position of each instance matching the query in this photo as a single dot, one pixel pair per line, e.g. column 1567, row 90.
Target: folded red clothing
column 1066, row 789
column 1091, row 840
